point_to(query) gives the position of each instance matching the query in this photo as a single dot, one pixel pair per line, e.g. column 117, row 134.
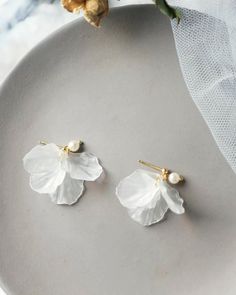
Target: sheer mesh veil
column 206, row 46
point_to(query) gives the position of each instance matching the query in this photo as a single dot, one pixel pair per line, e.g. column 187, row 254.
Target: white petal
column 138, row 189
column 83, row 166
column 150, row 214
column 172, row 198
column 42, row 158
column 47, row 183
column 69, row 191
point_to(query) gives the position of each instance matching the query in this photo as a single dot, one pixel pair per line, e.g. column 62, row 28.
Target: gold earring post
column 45, row 143
column 150, row 165
column 164, row 172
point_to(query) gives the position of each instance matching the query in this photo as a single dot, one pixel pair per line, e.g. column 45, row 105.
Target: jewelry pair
column 60, row 172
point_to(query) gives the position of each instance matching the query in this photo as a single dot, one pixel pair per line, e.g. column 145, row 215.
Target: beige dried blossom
column 93, row 10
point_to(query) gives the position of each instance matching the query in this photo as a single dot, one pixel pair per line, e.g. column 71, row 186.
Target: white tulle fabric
column 60, row 174
column 206, row 46
column 147, row 197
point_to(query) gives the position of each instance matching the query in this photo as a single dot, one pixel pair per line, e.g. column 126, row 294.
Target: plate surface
column 121, row 91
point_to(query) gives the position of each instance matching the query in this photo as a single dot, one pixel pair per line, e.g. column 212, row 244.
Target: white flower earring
column 60, row 171
column 148, row 196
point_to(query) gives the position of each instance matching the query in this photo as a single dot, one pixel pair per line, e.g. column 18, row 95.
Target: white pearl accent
column 174, row 178
column 74, row 145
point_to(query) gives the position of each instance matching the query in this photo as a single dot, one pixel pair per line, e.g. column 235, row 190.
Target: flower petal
column 83, row 166
column 150, row 214
column 73, row 5
column 137, row 189
column 42, row 159
column 172, row 198
column 95, row 10
column 47, row 183
column 69, row 191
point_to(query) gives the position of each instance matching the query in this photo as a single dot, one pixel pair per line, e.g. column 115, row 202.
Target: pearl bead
column 74, row 145
column 174, row 178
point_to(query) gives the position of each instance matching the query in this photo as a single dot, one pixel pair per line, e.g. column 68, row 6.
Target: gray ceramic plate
column 119, row 89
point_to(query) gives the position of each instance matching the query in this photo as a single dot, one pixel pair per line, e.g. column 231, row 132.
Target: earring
column 148, row 196
column 60, row 171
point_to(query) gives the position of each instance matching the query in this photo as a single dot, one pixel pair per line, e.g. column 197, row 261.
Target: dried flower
column 93, row 10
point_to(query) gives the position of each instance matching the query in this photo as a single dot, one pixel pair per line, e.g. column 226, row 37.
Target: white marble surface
column 23, row 27
column 24, row 23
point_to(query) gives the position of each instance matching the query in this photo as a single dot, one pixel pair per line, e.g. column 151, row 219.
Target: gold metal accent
column 45, row 143
column 164, row 171
column 155, row 167
column 64, row 148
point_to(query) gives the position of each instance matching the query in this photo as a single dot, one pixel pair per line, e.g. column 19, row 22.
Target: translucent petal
column 42, row 159
column 138, row 189
column 47, row 183
column 83, row 166
column 69, row 191
column 150, row 214
column 172, row 198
